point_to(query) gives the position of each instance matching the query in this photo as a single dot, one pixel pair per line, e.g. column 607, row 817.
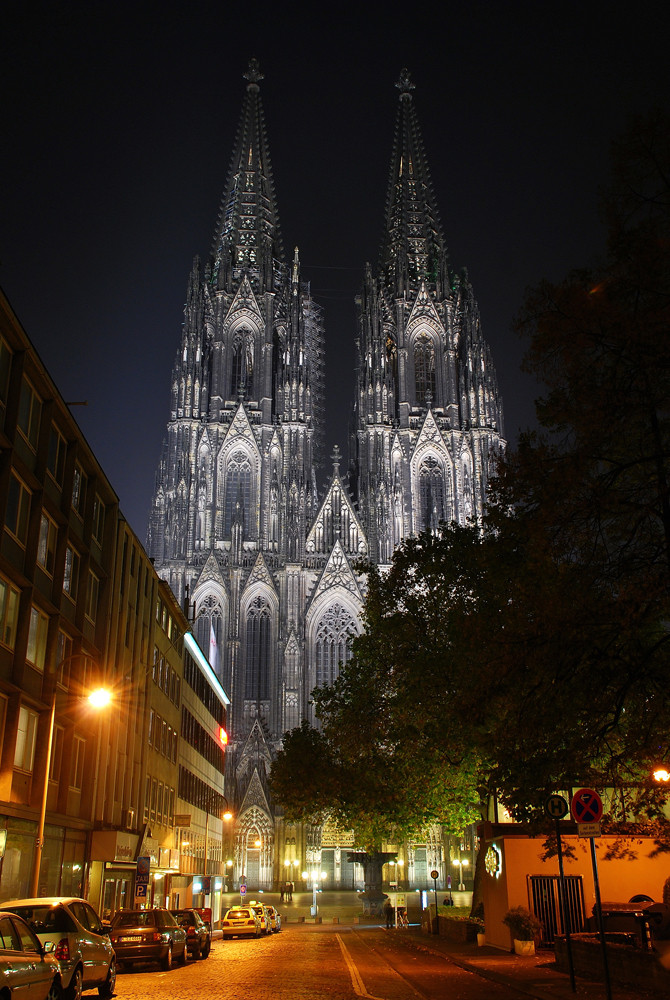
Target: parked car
column 263, row 915
column 84, row 952
column 148, row 936
column 275, row 919
column 198, row 935
column 240, row 921
column 28, row 969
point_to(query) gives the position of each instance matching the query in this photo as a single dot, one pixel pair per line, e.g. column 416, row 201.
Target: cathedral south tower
column 428, row 415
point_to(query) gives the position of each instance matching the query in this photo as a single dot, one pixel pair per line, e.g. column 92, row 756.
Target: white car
column 84, row 952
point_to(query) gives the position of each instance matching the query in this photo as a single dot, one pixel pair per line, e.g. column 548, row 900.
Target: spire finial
column 253, row 74
column 404, row 84
column 336, row 458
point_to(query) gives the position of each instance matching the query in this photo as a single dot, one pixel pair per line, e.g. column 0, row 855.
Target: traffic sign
column 434, row 874
column 587, row 806
column 556, row 807
column 243, row 890
column 140, row 891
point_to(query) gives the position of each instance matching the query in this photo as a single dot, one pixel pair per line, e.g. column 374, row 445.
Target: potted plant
column 524, row 927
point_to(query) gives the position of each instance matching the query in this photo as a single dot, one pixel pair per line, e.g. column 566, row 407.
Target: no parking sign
column 587, row 810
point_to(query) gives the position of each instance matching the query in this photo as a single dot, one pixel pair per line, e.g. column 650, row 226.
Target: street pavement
column 347, row 956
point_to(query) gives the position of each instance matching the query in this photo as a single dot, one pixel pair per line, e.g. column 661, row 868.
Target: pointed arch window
column 238, row 494
column 431, row 495
column 242, row 367
column 209, row 631
column 258, row 651
column 334, row 635
column 424, row 369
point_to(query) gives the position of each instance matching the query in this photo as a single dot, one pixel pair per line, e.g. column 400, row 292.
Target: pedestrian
column 388, row 913
column 281, row 895
column 290, row 892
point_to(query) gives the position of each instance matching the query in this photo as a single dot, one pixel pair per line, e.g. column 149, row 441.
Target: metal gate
column 543, row 892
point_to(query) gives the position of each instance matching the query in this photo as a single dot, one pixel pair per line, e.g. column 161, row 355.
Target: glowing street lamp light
column 461, row 863
column 661, row 775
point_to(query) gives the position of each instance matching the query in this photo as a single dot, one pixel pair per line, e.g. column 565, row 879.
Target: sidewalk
column 536, row 976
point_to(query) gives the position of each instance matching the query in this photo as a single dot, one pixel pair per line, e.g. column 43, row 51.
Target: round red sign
column 586, row 806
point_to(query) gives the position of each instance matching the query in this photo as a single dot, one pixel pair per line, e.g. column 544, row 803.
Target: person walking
column 388, row 913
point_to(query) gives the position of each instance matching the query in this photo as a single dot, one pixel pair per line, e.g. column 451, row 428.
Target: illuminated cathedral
column 249, row 538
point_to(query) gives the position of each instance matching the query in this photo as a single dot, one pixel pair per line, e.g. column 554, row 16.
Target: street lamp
column 98, row 699
column 461, row 863
column 315, row 875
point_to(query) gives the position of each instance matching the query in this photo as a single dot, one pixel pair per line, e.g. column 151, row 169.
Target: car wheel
column 206, row 950
column 196, row 951
column 107, row 988
column 56, row 991
column 76, row 987
column 182, row 957
column 167, row 961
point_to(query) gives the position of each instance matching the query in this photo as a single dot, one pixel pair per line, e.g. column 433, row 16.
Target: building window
column 238, row 492
column 37, row 638
column 424, row 369
column 9, row 611
column 92, row 596
column 258, row 651
column 56, row 754
column 333, row 643
column 26, row 734
column 64, row 646
column 5, row 368
column 431, row 495
column 79, row 482
column 56, row 455
column 46, row 546
column 30, row 408
column 18, row 509
column 242, row 371
column 71, row 573
column 78, row 757
column 98, row 519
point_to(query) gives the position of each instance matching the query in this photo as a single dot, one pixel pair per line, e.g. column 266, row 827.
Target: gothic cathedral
column 240, row 527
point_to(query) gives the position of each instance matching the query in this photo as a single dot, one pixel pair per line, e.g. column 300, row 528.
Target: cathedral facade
column 260, row 552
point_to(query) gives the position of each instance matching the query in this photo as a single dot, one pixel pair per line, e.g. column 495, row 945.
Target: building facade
column 82, row 608
column 241, row 528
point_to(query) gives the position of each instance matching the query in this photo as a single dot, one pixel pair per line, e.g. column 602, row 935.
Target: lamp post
column 315, row 875
column 98, row 699
column 461, row 863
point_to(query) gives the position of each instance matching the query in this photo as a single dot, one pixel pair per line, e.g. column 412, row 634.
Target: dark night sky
column 118, row 122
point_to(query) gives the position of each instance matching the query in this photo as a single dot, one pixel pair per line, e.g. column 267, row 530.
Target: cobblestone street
column 308, row 963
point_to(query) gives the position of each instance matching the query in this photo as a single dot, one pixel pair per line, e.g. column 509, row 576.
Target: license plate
column 126, row 939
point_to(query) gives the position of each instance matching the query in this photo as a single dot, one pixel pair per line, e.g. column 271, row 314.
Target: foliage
column 523, row 924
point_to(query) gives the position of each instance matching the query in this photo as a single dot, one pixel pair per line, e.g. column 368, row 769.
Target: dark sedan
column 198, row 937
column 148, row 936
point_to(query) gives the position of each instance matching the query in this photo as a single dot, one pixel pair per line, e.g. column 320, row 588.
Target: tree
column 529, row 654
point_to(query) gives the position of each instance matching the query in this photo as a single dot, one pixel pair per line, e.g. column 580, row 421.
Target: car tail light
column 190, row 931
column 62, row 952
column 226, row 923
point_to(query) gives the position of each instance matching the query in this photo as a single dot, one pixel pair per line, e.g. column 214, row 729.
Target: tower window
column 424, row 369
column 258, row 651
column 238, row 490
column 242, row 369
column 431, row 495
column 333, row 643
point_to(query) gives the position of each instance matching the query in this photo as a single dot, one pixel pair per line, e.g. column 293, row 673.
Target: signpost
column 556, row 808
column 587, row 810
column 142, row 879
column 435, row 875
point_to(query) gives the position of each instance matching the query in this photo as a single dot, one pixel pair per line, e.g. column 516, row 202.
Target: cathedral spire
column 247, row 233
column 413, row 246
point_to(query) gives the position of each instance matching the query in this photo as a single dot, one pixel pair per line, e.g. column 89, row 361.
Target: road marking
column 356, row 981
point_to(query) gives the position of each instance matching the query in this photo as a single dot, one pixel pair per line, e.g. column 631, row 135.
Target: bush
column 523, row 924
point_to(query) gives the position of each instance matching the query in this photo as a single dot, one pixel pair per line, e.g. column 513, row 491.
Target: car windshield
column 47, row 919
column 136, row 918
